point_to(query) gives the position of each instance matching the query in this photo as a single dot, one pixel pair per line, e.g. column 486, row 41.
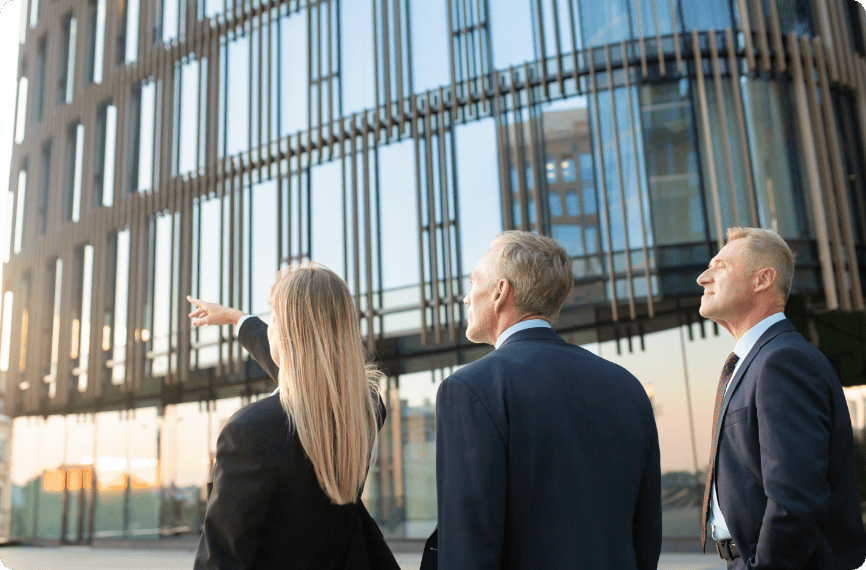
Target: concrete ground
column 107, row 558
column 87, row 558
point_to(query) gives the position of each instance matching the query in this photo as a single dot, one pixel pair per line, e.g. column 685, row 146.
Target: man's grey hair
column 538, row 268
column 767, row 249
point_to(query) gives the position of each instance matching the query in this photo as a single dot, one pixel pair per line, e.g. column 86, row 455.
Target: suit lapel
column 775, row 330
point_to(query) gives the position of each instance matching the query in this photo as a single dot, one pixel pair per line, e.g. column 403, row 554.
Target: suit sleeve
column 647, row 525
column 253, row 336
column 793, row 409
column 238, row 504
column 470, row 481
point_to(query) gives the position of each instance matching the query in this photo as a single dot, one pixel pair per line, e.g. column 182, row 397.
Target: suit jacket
column 547, row 456
column 785, row 460
column 266, row 509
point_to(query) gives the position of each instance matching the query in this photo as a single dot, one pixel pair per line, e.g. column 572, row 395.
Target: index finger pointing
column 195, row 302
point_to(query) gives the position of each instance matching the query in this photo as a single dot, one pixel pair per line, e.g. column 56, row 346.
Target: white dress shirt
column 741, row 349
column 522, row 325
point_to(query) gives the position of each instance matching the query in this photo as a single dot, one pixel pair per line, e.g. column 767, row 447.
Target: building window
column 7, row 331
column 45, row 187
column 35, row 6
column 130, row 42
column 51, row 332
column 20, row 205
column 114, row 327
column 572, row 203
column 555, row 203
column 106, row 141
column 568, row 173
column 80, row 318
column 144, row 142
column 189, row 115
column 21, row 110
column 550, row 169
column 74, row 152
column 66, row 81
column 95, row 41
column 39, row 93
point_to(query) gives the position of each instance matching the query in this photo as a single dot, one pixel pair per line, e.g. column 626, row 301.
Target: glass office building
column 178, row 146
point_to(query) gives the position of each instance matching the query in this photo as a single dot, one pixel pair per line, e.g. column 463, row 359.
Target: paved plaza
column 105, row 558
column 86, row 558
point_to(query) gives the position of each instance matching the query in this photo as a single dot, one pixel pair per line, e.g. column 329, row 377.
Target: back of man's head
column 538, row 268
column 766, row 248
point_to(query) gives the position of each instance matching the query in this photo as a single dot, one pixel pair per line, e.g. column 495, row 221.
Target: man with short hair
column 547, row 456
column 781, row 491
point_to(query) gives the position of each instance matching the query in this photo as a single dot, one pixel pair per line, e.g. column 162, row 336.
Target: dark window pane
column 572, row 204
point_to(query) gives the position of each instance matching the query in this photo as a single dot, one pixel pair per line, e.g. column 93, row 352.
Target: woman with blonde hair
column 290, row 467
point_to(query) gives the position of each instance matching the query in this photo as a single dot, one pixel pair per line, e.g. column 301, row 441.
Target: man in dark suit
column 547, row 456
column 781, row 491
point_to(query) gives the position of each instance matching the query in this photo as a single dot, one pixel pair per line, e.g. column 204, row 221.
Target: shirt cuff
column 241, row 322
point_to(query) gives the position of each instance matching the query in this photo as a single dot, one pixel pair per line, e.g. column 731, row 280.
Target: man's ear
column 764, row 278
column 502, row 291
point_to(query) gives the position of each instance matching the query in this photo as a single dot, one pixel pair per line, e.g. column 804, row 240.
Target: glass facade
column 203, row 145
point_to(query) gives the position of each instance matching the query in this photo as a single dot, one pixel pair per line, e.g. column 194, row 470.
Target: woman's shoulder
column 263, row 416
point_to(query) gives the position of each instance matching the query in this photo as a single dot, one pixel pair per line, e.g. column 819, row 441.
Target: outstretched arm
column 253, row 335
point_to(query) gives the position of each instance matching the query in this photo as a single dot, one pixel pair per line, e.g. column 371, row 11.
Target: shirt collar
column 522, row 325
column 748, row 340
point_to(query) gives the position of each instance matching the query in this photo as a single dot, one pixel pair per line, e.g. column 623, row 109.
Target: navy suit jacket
column 547, row 456
column 785, row 460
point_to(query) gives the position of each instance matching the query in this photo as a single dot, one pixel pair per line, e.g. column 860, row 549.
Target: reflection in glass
column 67, row 60
column 262, row 252
column 143, row 167
column 132, row 23
column 95, row 41
column 290, row 70
column 237, row 115
column 44, row 187
column 162, row 288
column 21, row 204
column 21, row 115
column 670, row 156
column 80, row 317
column 39, row 93
column 8, row 297
column 206, row 276
column 121, row 307
column 75, row 159
column 356, row 67
column 708, row 14
column 169, row 12
column 796, row 16
column 479, row 196
column 568, row 133
column 605, row 21
column 779, row 194
column 106, row 141
column 188, row 128
column 511, row 33
column 430, row 37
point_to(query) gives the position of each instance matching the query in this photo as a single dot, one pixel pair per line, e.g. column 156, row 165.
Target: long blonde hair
column 326, row 386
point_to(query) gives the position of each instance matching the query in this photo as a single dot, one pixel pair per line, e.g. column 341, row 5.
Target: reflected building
column 174, row 146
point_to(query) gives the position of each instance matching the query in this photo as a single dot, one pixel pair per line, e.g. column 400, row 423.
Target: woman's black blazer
column 266, row 509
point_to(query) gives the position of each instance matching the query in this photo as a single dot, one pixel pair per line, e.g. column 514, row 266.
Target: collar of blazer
column 535, row 333
column 782, row 326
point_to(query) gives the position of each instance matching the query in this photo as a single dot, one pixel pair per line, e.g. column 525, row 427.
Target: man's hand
column 213, row 313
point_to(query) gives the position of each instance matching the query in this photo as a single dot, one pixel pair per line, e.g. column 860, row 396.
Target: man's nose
column 466, row 300
column 704, row 278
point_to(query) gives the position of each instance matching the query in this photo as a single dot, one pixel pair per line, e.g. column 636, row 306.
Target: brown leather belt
column 727, row 550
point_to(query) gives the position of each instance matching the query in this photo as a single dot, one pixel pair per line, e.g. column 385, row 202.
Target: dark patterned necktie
column 730, row 364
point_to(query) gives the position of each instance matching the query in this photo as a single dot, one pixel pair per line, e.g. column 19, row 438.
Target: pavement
column 88, row 558
column 139, row 558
